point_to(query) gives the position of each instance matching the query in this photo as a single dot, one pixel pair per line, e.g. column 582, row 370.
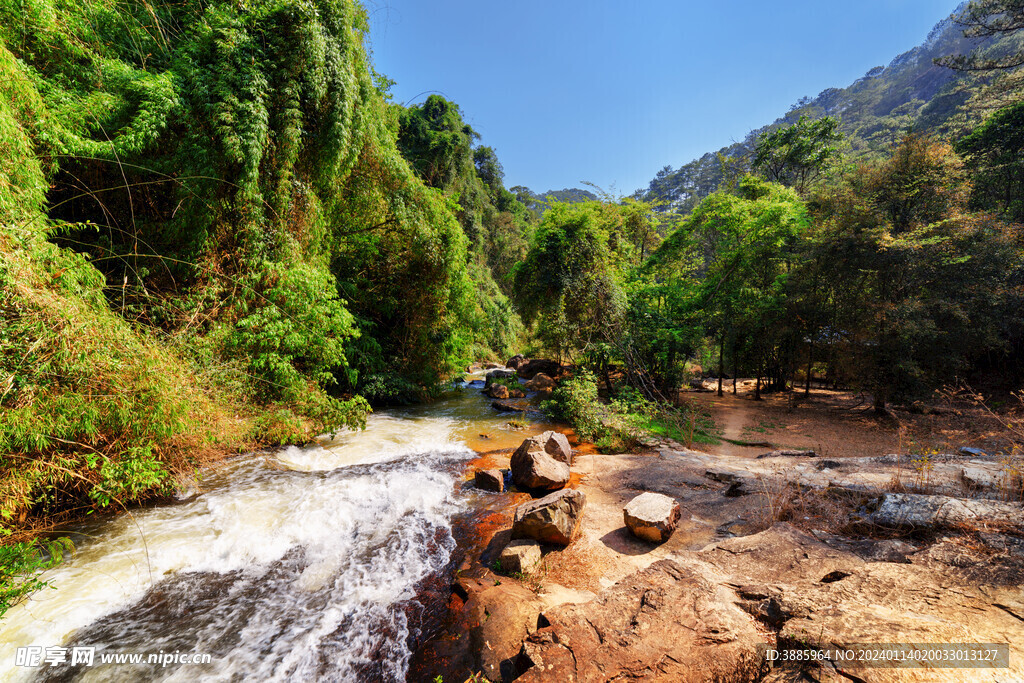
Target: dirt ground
column 840, row 424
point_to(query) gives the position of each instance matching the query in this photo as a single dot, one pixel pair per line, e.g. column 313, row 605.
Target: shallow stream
column 308, row 563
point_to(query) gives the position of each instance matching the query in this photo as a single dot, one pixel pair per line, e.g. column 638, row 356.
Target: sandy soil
column 840, row 424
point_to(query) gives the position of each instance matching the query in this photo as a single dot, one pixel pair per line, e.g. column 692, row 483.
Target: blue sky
column 610, row 91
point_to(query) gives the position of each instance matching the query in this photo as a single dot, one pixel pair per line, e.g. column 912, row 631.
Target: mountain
column 876, row 110
column 537, row 203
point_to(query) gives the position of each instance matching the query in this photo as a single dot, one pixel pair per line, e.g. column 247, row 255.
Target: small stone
column 520, row 557
column 652, row 516
column 490, row 480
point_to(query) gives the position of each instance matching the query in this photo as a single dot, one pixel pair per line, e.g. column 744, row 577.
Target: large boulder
column 498, row 374
column 520, row 557
column 669, row 622
column 535, row 470
column 499, row 391
column 530, row 369
column 493, row 623
column 554, row 444
column 540, row 382
column 652, row 516
column 552, row 519
column 515, row 361
column 489, row 480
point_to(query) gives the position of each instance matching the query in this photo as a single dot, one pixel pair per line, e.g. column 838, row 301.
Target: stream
column 308, row 563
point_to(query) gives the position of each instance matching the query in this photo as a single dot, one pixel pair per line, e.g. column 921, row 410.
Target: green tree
column 569, row 282
column 917, row 279
column 994, row 152
column 797, row 155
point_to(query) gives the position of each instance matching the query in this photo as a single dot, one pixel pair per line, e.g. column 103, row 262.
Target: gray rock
column 490, row 480
column 652, row 516
column 891, row 551
column 914, row 510
column 536, row 470
column 520, row 557
column 554, row 444
column 552, row 519
column 788, row 453
column 966, row 450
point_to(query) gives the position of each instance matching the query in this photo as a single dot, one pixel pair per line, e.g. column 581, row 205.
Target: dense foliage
column 211, row 238
column 877, row 275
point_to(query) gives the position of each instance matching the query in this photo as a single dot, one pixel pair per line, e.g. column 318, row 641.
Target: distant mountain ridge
column 875, row 111
column 537, row 202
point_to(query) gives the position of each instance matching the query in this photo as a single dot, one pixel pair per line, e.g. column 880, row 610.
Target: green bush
column 575, row 401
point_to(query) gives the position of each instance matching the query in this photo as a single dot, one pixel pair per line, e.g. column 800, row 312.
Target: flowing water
column 305, row 564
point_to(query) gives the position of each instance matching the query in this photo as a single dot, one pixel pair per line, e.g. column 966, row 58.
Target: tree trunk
column 721, row 360
column 735, row 368
column 810, row 364
column 879, row 403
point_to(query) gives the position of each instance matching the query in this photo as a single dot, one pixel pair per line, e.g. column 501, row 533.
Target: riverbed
column 306, row 563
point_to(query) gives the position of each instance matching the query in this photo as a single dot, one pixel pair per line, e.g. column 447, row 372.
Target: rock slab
column 668, row 622
column 520, row 557
column 652, row 516
column 916, row 510
column 555, row 518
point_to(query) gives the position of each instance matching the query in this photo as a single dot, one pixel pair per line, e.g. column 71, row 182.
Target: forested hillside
column 217, row 231
column 912, row 93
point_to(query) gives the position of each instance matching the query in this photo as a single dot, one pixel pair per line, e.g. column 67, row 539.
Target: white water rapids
column 301, row 565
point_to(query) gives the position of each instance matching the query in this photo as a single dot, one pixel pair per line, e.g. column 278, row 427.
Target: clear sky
column 610, row 91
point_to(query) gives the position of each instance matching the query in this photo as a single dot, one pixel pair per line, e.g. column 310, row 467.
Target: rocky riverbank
column 679, row 565
column 853, row 562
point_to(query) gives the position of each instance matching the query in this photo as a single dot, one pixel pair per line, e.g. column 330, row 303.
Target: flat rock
column 916, row 510
column 652, row 516
column 555, row 518
column 535, row 470
column 553, row 443
column 520, row 556
column 669, row 622
column 788, row 453
column 490, row 480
